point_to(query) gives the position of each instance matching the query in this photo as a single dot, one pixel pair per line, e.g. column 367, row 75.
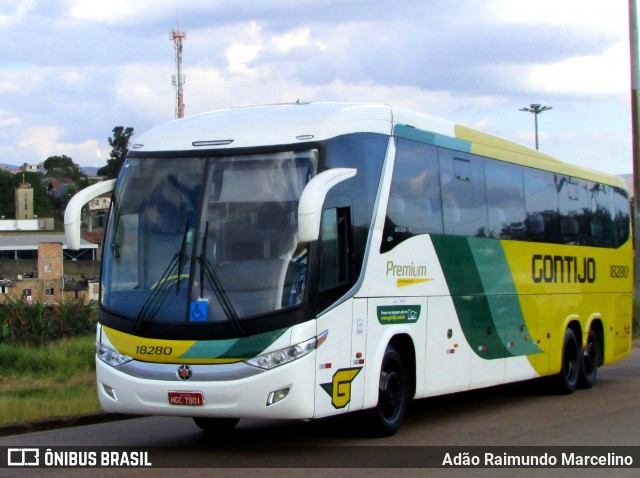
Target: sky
column 72, row 70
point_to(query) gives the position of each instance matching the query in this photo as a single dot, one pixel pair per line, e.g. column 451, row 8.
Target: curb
column 62, row 422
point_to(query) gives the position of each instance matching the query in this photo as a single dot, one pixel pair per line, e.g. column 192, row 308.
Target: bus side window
column 601, row 210
column 541, row 200
column 505, row 200
column 622, row 216
column 335, row 256
column 414, row 199
column 463, row 192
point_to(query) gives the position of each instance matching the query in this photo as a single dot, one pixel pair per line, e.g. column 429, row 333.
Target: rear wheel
column 216, row 425
column 567, row 380
column 393, row 395
column 590, row 361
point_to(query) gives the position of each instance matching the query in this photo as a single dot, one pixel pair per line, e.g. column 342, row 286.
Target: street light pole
column 536, row 109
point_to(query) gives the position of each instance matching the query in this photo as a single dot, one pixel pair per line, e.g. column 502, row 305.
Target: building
column 39, row 267
column 24, row 201
column 32, row 168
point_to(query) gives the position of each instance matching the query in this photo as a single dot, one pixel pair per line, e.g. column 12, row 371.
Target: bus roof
column 303, row 122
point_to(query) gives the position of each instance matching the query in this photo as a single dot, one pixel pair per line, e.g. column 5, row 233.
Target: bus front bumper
column 286, row 391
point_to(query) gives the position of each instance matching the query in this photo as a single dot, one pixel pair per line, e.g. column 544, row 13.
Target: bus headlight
column 294, row 352
column 110, row 356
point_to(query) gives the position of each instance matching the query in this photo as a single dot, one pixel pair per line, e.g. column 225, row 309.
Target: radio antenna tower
column 178, row 79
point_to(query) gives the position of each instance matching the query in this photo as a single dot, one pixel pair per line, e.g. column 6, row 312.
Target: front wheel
column 393, row 395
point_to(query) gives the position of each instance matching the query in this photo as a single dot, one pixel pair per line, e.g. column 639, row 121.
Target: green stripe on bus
column 415, row 134
column 484, row 296
column 244, row 347
column 501, row 295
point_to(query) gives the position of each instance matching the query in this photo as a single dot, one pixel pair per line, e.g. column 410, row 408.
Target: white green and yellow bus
column 306, row 260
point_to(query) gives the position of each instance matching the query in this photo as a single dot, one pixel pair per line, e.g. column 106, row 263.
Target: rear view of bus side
column 307, row 260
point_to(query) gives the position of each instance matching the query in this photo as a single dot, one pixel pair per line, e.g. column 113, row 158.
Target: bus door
column 339, row 361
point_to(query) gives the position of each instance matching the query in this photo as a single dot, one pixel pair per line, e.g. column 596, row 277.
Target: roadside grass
column 55, row 379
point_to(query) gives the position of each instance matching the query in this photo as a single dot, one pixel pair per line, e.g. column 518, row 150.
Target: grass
column 53, row 380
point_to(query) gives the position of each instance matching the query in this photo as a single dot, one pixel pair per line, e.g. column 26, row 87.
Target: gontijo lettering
column 548, row 268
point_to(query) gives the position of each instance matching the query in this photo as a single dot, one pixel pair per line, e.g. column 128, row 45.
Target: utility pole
column 635, row 133
column 536, row 109
column 178, row 79
column 635, row 87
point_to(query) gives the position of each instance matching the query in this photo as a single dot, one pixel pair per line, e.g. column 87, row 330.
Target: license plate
column 186, row 399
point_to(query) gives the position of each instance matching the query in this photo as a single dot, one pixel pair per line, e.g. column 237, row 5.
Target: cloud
column 15, row 11
column 38, row 143
column 77, row 68
column 607, row 73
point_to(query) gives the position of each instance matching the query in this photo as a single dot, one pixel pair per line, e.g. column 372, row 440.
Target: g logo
column 340, row 387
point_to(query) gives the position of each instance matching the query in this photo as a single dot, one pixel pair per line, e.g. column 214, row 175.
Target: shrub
column 35, row 323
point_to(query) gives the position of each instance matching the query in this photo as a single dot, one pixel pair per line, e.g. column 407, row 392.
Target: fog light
column 110, row 391
column 276, row 396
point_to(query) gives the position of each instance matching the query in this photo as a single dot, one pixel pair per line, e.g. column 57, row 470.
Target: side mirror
column 312, row 198
column 72, row 217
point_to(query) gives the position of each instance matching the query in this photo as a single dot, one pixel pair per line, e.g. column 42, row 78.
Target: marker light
column 279, row 357
column 215, row 142
column 110, row 356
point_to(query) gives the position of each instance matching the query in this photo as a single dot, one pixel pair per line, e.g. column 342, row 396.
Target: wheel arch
column 573, row 323
column 404, row 344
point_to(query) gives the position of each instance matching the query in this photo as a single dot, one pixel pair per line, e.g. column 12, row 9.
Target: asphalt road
column 513, row 415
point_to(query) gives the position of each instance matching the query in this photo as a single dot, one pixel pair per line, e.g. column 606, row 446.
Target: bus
column 299, row 261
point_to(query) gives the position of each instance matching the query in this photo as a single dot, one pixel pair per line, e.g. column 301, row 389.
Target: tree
column 62, row 167
column 120, row 147
column 7, row 195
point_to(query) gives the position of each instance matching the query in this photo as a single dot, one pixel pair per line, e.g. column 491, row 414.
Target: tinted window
column 414, row 199
column 463, row 195
column 349, row 210
column 621, row 224
column 572, row 203
column 505, row 200
column 541, row 198
column 601, row 208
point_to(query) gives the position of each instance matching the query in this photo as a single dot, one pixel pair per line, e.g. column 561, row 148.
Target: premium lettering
column 406, row 270
column 563, row 269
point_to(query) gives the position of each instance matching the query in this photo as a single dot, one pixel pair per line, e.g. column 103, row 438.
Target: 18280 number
column 153, row 350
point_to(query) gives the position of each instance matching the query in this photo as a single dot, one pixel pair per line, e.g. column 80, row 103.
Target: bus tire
column 590, row 358
column 393, row 395
column 216, row 425
column 567, row 380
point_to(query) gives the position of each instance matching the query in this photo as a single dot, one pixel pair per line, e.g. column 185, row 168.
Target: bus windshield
column 206, row 239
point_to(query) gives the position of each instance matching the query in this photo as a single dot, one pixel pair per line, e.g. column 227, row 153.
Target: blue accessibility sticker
column 199, row 311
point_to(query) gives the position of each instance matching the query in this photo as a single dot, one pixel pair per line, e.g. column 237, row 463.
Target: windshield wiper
column 207, row 271
column 182, row 254
column 159, row 293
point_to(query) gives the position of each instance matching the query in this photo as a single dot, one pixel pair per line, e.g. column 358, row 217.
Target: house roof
column 29, row 242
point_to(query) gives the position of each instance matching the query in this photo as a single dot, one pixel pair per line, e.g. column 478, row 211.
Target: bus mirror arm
column 312, row 199
column 72, row 214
